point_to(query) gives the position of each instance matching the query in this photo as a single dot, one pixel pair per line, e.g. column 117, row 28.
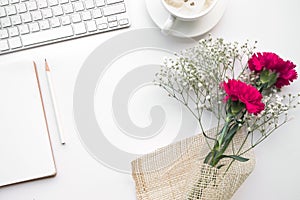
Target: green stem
column 230, row 128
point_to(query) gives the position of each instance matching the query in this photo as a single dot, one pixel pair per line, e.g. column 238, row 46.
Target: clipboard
column 25, row 146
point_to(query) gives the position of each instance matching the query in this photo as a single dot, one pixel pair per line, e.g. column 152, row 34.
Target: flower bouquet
column 241, row 89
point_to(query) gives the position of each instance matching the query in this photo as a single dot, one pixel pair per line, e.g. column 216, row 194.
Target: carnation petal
column 249, row 95
column 271, row 61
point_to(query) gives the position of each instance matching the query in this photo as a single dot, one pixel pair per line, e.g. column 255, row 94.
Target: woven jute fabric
column 177, row 171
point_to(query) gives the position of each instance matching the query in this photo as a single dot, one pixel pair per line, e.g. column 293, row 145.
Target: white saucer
column 159, row 15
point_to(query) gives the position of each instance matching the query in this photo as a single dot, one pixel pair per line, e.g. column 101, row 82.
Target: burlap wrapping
column 177, row 172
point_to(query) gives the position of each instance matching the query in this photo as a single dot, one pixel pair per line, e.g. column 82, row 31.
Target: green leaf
column 268, row 78
column 264, row 76
column 208, row 157
column 235, row 157
column 237, row 107
column 273, row 79
column 220, row 166
column 231, row 133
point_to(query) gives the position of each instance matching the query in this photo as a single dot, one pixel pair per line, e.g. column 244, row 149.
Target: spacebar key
column 48, row 35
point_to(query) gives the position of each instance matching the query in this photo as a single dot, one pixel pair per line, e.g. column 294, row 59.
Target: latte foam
column 188, row 8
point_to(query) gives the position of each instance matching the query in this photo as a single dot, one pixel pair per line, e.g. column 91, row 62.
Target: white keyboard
column 30, row 23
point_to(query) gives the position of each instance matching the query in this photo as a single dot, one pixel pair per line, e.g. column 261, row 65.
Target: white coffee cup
column 185, row 10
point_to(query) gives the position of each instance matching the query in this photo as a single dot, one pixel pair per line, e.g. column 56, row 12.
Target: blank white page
column 25, row 148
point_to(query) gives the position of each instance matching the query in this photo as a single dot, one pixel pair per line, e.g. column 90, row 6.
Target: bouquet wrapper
column 177, row 171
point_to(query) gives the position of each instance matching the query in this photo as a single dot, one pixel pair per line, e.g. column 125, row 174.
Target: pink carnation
column 239, row 91
column 285, row 69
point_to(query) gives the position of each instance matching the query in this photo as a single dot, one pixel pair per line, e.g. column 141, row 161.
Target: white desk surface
column 275, row 24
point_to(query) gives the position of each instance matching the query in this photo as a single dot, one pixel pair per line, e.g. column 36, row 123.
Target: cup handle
column 168, row 25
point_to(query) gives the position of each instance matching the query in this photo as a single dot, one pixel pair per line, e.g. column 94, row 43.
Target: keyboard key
column 78, row 6
column 3, row 2
column 57, row 11
column 2, row 12
column 42, row 3
column 47, row 35
column 114, row 9
column 89, row 4
column 97, row 13
column 68, row 8
column 23, row 29
column 14, row 1
column 100, row 3
column 86, row 15
column 34, row 27
column 26, row 17
column 36, row 15
column 54, row 22
column 44, row 24
column 113, row 1
column 53, row 2
column 3, row 34
column 101, row 20
column 5, row 22
column 63, row 1
column 65, row 20
column 102, row 26
column 13, row 31
column 101, row 23
column 79, row 28
column 113, row 24
column 123, row 21
column 11, row 10
column 112, row 18
column 31, row 5
column 47, row 13
column 21, row 8
column 91, row 26
column 4, row 45
column 14, row 42
column 16, row 19
column 76, row 18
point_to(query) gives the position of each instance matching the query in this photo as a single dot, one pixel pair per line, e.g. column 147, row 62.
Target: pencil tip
column 47, row 66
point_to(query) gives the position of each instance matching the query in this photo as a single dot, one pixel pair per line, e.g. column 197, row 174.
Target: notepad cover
column 25, row 147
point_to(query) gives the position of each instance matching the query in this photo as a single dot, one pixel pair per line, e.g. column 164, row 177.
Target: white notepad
column 25, row 148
